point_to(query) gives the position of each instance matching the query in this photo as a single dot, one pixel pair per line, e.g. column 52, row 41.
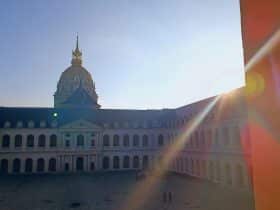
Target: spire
column 76, row 54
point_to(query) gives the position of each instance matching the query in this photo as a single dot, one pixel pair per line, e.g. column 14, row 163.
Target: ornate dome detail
column 74, row 78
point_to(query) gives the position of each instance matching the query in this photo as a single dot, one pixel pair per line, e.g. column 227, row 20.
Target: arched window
column 4, row 166
column 135, row 162
column 116, row 140
column 135, row 140
column 202, row 139
column 106, row 140
column 226, row 136
column 218, row 170
column 30, row 141
column 209, row 138
column 42, row 141
column 6, row 141
column 228, row 174
column 18, row 140
column 28, row 165
column 196, row 140
column 186, row 164
column 160, row 140
column 237, row 137
column 126, row 140
column 53, row 140
column 145, row 162
column 145, row 140
column 16, row 165
column 240, row 175
column 198, row 167
column 52, row 165
column 211, row 170
column 80, row 140
column 204, row 169
column 116, row 162
column 40, row 165
column 105, row 163
column 126, row 162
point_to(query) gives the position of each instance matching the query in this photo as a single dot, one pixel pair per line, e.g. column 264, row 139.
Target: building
column 76, row 135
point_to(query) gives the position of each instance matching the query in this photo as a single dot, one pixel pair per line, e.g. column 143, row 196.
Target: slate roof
column 67, row 115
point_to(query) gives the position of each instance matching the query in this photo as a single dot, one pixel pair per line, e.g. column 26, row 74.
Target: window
column 145, row 142
column 92, row 142
column 160, row 140
column 53, row 141
column 126, row 140
column 106, row 140
column 116, row 140
column 67, row 143
column 80, row 140
column 42, row 141
column 226, row 137
column 136, row 140
column 6, row 141
column 126, row 162
column 30, row 141
column 18, row 140
column 105, row 163
column 135, row 162
column 116, row 162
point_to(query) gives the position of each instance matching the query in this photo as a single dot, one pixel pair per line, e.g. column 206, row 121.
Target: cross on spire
column 77, row 54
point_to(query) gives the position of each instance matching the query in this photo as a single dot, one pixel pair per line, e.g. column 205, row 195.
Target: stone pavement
column 108, row 191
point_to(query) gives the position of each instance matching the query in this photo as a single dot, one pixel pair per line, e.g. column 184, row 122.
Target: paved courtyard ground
column 108, row 191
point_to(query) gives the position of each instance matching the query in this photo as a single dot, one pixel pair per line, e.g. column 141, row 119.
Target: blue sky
column 142, row 54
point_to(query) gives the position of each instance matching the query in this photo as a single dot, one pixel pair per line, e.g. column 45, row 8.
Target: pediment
column 81, row 124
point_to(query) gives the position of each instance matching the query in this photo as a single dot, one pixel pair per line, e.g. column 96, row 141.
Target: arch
column 197, row 167
column 116, row 140
column 28, row 165
column 211, row 170
column 237, row 136
column 145, row 162
column 203, row 167
column 6, row 141
column 18, row 140
column 145, row 140
column 136, row 162
column 226, row 136
column 126, row 140
column 30, row 141
column 4, row 166
column 116, row 162
column 16, row 165
column 160, row 140
column 135, row 140
column 105, row 163
column 53, row 140
column 186, row 164
column 192, row 166
column 40, row 165
column 240, row 175
column 80, row 164
column 80, row 140
column 106, row 140
column 218, row 170
column 52, row 165
column 126, row 162
column 228, row 174
column 42, row 140
column 92, row 166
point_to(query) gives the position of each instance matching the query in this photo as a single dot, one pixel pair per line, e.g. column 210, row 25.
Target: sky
column 147, row 54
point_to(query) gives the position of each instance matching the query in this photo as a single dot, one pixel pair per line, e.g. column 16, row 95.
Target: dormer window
column 54, row 124
column 7, row 124
column 42, row 124
column 19, row 124
column 30, row 124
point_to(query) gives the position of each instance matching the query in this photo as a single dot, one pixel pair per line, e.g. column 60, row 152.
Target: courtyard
column 108, row 191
